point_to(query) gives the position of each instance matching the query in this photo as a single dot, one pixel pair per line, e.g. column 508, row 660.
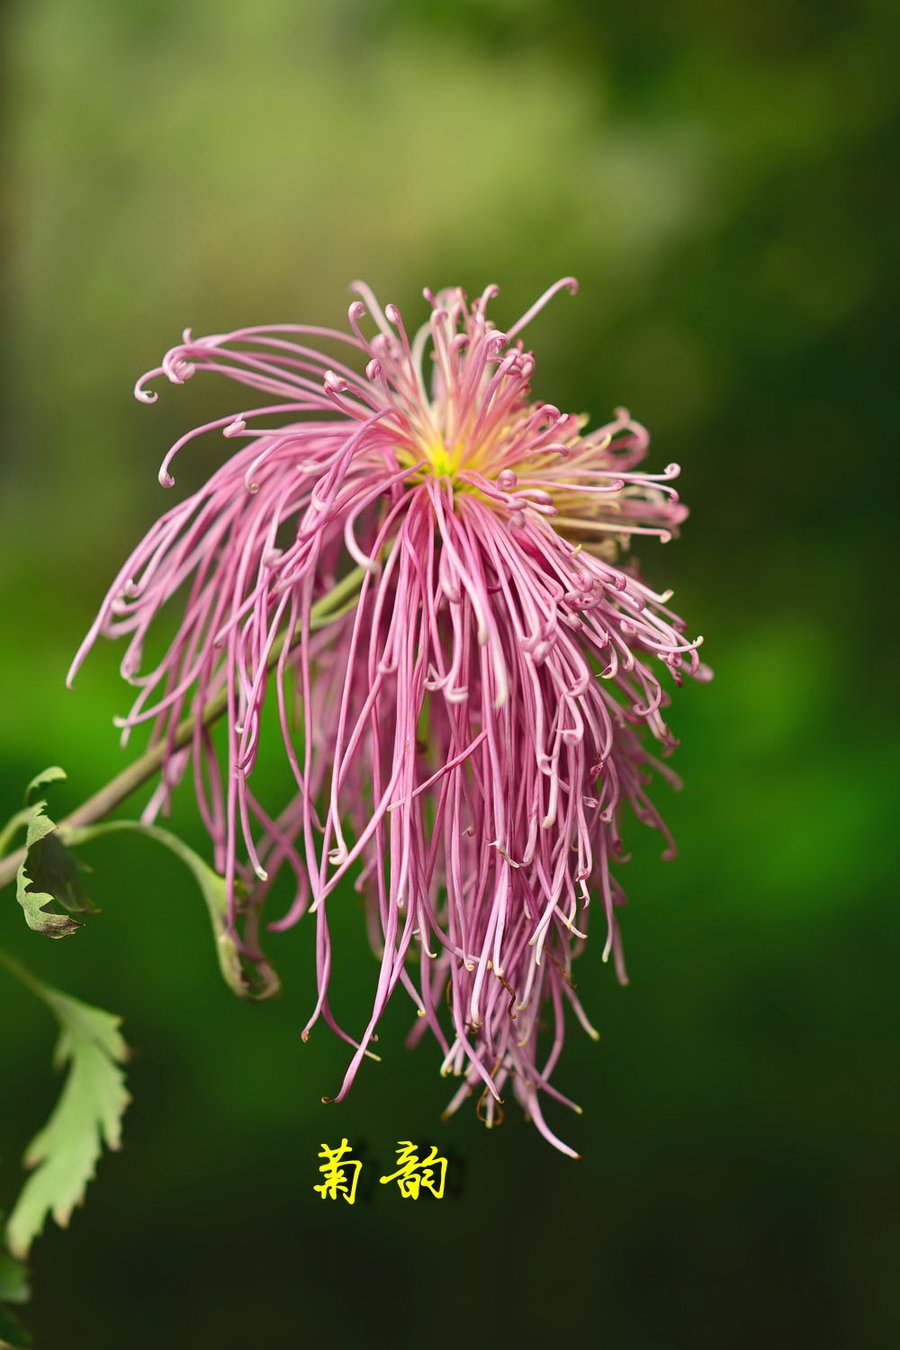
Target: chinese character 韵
column 335, row 1170
column 412, row 1175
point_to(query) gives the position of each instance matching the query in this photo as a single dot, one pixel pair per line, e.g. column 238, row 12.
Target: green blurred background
column 723, row 181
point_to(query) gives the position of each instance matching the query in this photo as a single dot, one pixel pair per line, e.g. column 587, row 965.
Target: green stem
column 22, row 975
column 334, row 605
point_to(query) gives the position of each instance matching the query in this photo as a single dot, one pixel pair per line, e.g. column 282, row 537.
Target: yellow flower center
column 439, row 459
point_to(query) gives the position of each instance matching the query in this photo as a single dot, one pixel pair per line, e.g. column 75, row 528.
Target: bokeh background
column 723, row 181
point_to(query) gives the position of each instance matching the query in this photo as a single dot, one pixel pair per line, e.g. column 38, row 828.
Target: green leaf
column 13, row 1289
column 11, row 829
column 49, row 873
column 43, row 779
column 13, row 1279
column 250, row 977
column 13, row 1335
column 88, row 1114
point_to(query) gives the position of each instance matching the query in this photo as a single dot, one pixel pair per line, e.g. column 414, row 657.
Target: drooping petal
column 421, row 568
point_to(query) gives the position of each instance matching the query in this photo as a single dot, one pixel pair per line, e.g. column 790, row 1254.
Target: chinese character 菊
column 340, row 1173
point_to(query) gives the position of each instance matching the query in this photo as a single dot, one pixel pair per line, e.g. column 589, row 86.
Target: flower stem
column 332, row 606
column 24, row 977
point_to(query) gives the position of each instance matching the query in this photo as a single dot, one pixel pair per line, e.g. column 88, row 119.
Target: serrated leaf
column 43, row 779
column 9, row 831
column 88, row 1114
column 13, row 1279
column 250, row 978
column 14, row 1289
column 49, row 873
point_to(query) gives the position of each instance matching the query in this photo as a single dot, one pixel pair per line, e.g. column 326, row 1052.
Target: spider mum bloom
column 421, row 567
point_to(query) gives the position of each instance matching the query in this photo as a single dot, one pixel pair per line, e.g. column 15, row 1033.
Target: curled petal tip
column 334, row 384
column 488, row 612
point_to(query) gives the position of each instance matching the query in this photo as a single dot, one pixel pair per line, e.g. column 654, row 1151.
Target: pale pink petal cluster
column 466, row 731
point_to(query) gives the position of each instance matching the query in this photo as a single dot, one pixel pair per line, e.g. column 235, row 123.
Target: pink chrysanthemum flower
column 419, row 565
